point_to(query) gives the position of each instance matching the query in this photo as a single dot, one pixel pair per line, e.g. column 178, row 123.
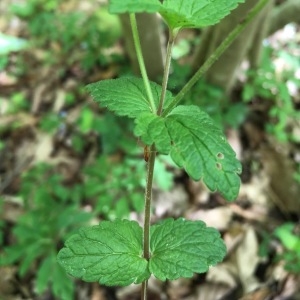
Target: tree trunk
column 223, row 72
column 283, row 14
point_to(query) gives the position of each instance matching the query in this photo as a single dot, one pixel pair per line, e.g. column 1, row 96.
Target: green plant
column 213, row 101
column 291, row 243
column 17, row 103
column 51, row 212
column 121, row 185
column 121, row 252
column 269, row 84
column 52, row 28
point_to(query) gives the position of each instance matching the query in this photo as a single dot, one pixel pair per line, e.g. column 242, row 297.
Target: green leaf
column 133, row 6
column 180, row 248
column 151, row 128
column 125, row 96
column 142, row 123
column 179, row 13
column 196, row 144
column 31, row 253
column 62, row 285
column 110, row 253
column 51, row 274
column 196, row 13
column 288, row 239
column 86, row 119
column 163, row 178
column 42, row 277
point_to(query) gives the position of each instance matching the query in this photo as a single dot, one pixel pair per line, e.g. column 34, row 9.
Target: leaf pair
column 186, row 133
column 112, row 252
column 179, row 13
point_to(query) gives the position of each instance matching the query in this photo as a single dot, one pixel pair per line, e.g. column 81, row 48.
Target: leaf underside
column 111, row 252
column 179, row 13
column 196, row 144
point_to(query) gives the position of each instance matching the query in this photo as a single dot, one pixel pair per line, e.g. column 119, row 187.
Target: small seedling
column 121, row 252
column 51, row 212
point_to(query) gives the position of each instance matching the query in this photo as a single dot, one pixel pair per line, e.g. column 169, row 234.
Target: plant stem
column 144, row 290
column 151, row 163
column 148, row 198
column 216, row 54
column 147, row 213
column 172, row 36
column 140, row 58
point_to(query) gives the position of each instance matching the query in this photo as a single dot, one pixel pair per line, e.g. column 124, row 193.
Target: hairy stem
column 140, row 58
column 151, row 163
column 147, row 213
column 172, row 36
column 216, row 54
column 148, row 198
column 144, row 290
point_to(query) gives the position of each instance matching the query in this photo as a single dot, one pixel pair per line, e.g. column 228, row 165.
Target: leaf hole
column 219, row 166
column 220, row 155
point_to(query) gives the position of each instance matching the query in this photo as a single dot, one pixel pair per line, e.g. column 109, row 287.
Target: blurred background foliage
column 64, row 162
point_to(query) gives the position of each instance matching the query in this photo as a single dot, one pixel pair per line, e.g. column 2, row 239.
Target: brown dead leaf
column 59, row 101
column 256, row 191
column 172, row 202
column 218, row 217
column 98, row 292
column 290, row 288
column 199, row 192
column 263, row 293
column 23, row 120
column 12, row 209
column 247, row 259
column 7, row 286
column 43, row 147
column 178, row 289
column 212, row 291
column 223, row 273
column 284, row 191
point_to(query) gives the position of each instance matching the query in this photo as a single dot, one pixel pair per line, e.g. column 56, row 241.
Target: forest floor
column 47, row 117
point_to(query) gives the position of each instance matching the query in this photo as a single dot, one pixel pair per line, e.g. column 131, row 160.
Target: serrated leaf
column 141, row 126
column 179, row 13
column 133, row 6
column 181, row 248
column 201, row 148
column 196, row 13
column 152, row 128
column 110, row 253
column 198, row 145
column 126, row 96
